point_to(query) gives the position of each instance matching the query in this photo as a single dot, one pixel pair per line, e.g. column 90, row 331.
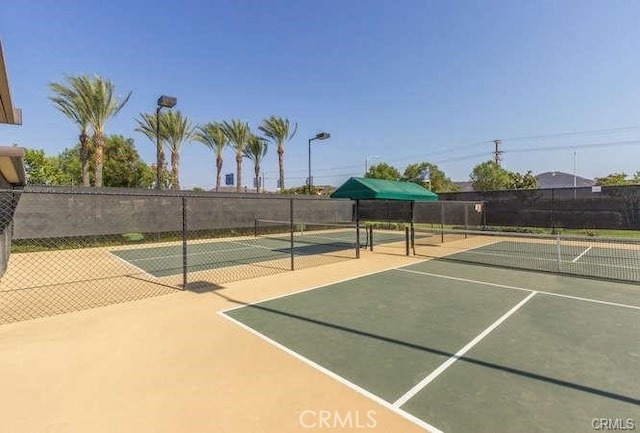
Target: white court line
column 248, row 246
column 581, row 254
column 133, row 266
column 337, row 377
column 438, row 371
column 504, row 286
column 366, row 274
column 554, row 260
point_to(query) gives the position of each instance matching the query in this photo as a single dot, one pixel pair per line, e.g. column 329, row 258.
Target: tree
column 212, row 135
column 123, row 166
column 68, row 99
column 615, row 179
column 237, row 133
column 43, row 170
column 177, row 130
column 383, row 171
column 147, row 124
column 429, row 176
column 490, row 176
column 98, row 93
column 315, row 190
column 278, row 130
column 255, row 150
column 523, row 181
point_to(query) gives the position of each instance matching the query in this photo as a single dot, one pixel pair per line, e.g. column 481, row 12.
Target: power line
column 579, row 146
column 563, row 134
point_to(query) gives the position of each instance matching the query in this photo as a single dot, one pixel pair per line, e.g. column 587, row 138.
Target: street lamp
column 164, row 101
column 366, row 162
column 319, row 136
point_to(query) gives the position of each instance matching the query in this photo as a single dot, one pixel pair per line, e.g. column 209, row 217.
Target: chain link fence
column 586, row 208
column 75, row 249
column 391, row 221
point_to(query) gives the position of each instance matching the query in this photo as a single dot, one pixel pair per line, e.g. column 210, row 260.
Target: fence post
column 291, row 230
column 370, row 234
column 184, row 242
column 442, row 221
column 357, row 229
column 559, row 252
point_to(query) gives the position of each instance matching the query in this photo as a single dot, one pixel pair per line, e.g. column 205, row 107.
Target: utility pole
column 497, row 154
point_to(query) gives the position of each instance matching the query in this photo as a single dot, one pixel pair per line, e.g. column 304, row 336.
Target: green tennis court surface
column 168, row 260
column 469, row 348
column 614, row 259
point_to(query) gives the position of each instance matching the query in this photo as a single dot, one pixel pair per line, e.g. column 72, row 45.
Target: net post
column 357, row 229
column 184, row 242
column 370, row 234
column 406, row 240
column 255, row 227
column 291, row 230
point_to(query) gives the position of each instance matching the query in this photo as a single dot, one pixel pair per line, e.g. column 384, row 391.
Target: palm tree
column 212, row 135
column 278, row 131
column 176, row 129
column 255, row 150
column 98, row 94
column 147, row 124
column 67, row 99
column 237, row 133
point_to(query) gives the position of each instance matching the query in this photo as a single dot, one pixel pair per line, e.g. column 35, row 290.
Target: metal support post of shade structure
column 413, row 230
column 406, row 240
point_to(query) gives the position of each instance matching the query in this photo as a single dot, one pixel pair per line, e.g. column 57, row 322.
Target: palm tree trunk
column 256, row 170
column 99, row 157
column 239, row 172
column 281, row 164
column 84, row 158
column 218, row 172
column 175, row 169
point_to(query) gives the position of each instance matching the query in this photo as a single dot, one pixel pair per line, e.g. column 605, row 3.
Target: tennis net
column 596, row 257
column 310, row 242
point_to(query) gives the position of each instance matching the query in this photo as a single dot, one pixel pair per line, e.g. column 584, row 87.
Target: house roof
column 12, row 166
column 558, row 179
column 8, row 114
column 364, row 188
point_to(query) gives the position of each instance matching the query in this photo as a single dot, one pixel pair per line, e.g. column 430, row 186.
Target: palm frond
column 237, row 133
column 212, row 135
column 256, row 148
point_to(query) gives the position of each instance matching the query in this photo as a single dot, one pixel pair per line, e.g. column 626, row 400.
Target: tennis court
column 272, row 245
column 458, row 347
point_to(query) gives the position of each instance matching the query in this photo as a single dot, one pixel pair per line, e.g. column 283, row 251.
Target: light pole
column 163, row 102
column 319, row 136
column 366, row 162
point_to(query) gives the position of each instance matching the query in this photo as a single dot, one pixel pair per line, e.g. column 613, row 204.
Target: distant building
column 558, row 179
column 464, row 186
column 549, row 179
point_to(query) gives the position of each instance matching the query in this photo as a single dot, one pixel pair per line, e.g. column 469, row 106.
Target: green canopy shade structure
column 364, row 188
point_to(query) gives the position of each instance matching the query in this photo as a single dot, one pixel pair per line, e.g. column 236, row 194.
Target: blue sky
column 405, row 80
